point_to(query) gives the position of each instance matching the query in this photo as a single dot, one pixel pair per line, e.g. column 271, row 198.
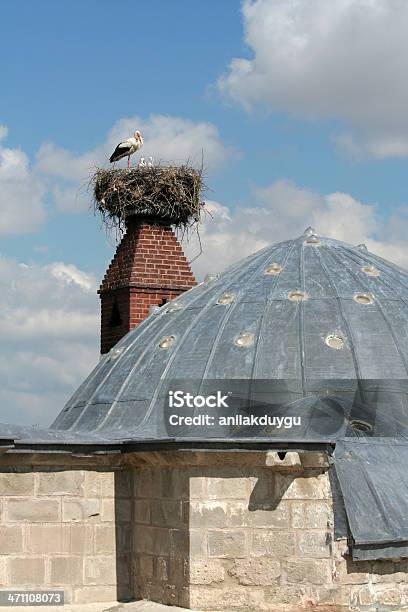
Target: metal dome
column 323, row 322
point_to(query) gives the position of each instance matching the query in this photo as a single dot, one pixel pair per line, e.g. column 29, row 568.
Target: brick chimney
column 149, row 268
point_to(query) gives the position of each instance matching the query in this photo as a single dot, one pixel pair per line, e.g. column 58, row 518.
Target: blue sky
column 301, row 121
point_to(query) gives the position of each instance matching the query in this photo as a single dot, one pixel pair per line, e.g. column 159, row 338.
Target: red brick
column 149, row 266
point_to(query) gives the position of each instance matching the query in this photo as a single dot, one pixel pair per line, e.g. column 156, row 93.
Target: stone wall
column 207, row 531
column 65, row 527
column 249, row 532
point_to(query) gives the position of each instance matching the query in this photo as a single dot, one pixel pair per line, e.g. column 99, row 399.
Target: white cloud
column 283, row 211
column 167, row 139
column 343, row 59
column 50, row 335
column 21, row 192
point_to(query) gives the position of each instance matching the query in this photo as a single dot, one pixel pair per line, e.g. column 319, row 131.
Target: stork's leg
column 128, row 161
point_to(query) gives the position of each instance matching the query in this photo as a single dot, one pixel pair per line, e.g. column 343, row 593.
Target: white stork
column 127, row 148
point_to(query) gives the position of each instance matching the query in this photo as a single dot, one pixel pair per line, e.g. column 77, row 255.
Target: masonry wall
column 206, row 531
column 65, row 527
column 250, row 533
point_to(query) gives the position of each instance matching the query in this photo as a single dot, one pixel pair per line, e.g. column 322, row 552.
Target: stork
column 126, row 148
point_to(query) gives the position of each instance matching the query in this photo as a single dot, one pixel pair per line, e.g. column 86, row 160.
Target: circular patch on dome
column 226, row 298
column 274, row 269
column 363, row 298
column 244, row 339
column 298, row 295
column 335, row 341
column 114, row 353
column 174, row 307
column 371, row 270
column 208, row 278
column 362, row 426
column 313, row 240
column 167, row 342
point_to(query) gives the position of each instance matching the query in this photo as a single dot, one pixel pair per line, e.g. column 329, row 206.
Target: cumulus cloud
column 166, row 138
column 21, row 192
column 281, row 211
column 50, row 335
column 343, row 59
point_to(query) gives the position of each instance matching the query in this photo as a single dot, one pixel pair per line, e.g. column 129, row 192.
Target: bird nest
column 169, row 193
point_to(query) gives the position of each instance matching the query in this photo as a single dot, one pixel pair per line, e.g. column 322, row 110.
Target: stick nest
column 171, row 193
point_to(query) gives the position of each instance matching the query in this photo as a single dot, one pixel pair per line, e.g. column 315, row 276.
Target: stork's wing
column 122, row 150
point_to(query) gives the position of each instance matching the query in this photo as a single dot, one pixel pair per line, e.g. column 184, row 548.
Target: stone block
column 334, row 598
column 308, row 571
column 217, row 514
column 108, row 510
column 11, row 540
column 143, row 539
column 205, row 571
column 274, row 518
column 143, row 482
column 33, row 510
column 178, row 569
column 81, row 510
column 66, row 482
column 288, row 594
column 67, row 570
column 3, row 573
column 207, row 598
column 272, row 544
column 91, row 594
column 123, row 538
column 232, row 487
column 259, row 571
column 105, row 538
column 228, row 544
column 81, row 539
column 196, row 542
column 315, row 544
column 172, row 483
column 312, row 486
column 145, row 566
column 99, row 484
column 123, row 484
column 290, row 461
column 312, row 515
column 161, row 569
column 198, row 487
column 388, row 596
column 16, row 483
column 348, row 572
column 100, row 570
column 43, row 539
column 25, row 571
column 176, row 542
column 142, row 511
column 166, row 512
column 123, row 510
column 361, row 595
column 387, row 571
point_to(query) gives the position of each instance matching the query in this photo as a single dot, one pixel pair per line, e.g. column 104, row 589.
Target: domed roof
column 313, row 323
